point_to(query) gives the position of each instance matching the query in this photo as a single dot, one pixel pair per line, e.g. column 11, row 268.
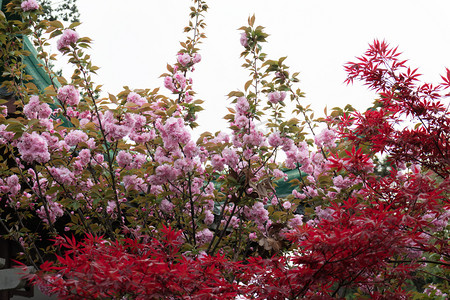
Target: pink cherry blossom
column 277, row 173
column 33, row 147
column 196, row 58
column 29, row 5
column 296, row 221
column 217, row 162
column 138, row 160
column 255, row 138
column 136, row 99
column 173, row 133
column 69, row 95
column 67, row 38
column 244, row 40
column 5, row 135
column 231, row 157
column 55, row 210
column 242, row 105
column 12, row 185
column 276, row 97
column 37, row 110
column 62, row 175
column 287, row 205
column 113, row 130
column 209, row 217
column 132, row 182
column 325, row 138
column 298, row 195
column 168, row 83
column 84, row 156
column 175, row 84
column 204, row 236
column 184, row 59
column 275, row 140
column 163, row 174
column 257, row 213
column 75, row 137
column 143, row 137
column 166, row 206
column 124, row 159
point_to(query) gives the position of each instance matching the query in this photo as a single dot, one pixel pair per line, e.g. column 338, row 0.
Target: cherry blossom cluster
column 28, row 5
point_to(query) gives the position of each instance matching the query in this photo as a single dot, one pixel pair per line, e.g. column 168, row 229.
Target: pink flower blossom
column 29, row 5
column 184, row 59
column 111, row 207
column 190, row 150
column 12, row 185
column 325, row 138
column 276, row 97
column 255, row 138
column 231, row 157
column 132, row 182
column 166, row 206
column 277, row 173
column 287, row 205
column 138, row 160
column 242, row 105
column 55, row 210
column 257, row 213
column 113, row 130
column 325, row 214
column 75, row 137
column 84, row 156
column 68, row 37
column 36, row 110
column 176, row 83
column 5, row 135
column 163, row 174
column 69, row 95
column 143, row 137
column 124, row 159
column 296, row 221
column 33, row 147
column 342, row 183
column 62, row 175
column 298, row 155
column 173, row 133
column 244, row 40
column 91, row 144
column 204, row 236
column 217, row 162
column 185, row 165
column 180, row 80
column 196, row 58
column 168, row 83
column 136, row 99
column 298, row 195
column 209, row 217
column 275, row 140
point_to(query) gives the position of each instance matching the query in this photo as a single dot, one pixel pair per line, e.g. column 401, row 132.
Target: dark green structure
column 40, row 77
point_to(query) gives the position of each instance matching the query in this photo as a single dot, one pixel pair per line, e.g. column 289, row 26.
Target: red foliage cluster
column 100, row 269
column 401, row 94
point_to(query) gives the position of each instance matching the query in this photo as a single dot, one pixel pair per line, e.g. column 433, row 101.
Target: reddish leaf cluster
column 384, row 127
column 99, row 269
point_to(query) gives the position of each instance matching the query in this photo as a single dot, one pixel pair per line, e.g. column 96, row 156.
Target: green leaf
column 247, row 84
column 74, row 24
column 57, row 24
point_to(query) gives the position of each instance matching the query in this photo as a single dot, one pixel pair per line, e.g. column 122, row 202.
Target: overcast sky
column 135, row 39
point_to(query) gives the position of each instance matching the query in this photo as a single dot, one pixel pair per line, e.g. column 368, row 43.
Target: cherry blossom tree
column 110, row 197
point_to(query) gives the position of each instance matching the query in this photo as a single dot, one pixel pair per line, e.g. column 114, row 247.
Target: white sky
column 135, row 39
